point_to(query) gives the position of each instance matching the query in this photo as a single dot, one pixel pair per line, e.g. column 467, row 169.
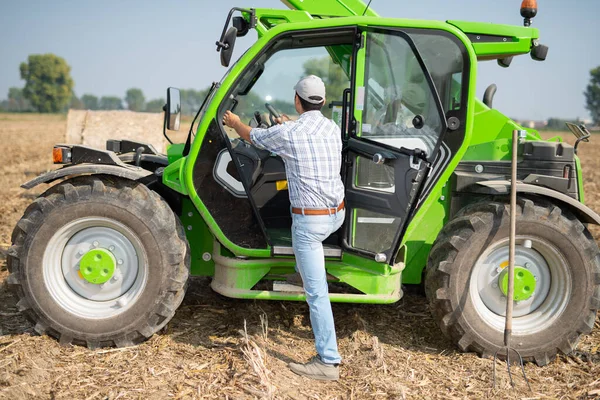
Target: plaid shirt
column 311, row 148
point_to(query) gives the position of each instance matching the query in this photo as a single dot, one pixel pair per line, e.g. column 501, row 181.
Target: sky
column 115, row 45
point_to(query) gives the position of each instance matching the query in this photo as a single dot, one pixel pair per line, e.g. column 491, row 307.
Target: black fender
column 583, row 212
column 121, row 171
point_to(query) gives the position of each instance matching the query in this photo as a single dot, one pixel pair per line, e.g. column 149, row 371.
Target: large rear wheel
column 99, row 262
column 557, row 277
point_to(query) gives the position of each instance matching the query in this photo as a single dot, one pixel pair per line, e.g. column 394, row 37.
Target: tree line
column 49, row 88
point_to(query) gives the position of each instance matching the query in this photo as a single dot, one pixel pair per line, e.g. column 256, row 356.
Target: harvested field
column 222, row 348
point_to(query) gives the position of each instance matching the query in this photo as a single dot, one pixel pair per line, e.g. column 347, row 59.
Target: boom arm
column 331, row 8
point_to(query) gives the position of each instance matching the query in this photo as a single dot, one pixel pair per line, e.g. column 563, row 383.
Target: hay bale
column 94, row 128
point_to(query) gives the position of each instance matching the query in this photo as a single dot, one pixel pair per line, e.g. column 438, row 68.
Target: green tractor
column 102, row 258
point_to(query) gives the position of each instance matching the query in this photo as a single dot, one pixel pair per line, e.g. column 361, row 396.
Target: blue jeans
column 308, row 233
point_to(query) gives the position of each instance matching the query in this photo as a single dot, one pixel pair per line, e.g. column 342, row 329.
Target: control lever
column 258, row 118
column 272, row 113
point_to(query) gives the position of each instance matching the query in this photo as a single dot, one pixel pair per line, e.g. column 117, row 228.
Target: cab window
column 400, row 108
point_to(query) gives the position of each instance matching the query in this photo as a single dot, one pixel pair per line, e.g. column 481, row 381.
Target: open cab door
column 393, row 137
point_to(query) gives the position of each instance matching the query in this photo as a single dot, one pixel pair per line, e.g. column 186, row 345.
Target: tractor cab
column 400, row 91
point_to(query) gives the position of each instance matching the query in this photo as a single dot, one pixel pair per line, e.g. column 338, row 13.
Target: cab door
column 396, row 128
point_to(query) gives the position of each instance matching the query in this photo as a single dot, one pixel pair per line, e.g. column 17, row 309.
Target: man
column 311, row 148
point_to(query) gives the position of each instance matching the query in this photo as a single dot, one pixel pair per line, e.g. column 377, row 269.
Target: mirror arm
column 252, row 12
column 165, row 125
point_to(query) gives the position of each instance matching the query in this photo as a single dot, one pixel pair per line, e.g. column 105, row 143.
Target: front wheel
column 99, row 262
column 557, row 277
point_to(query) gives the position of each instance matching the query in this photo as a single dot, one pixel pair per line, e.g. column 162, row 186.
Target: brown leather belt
column 322, row 211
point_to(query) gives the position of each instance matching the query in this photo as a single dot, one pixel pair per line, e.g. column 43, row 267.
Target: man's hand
column 231, row 120
column 282, row 119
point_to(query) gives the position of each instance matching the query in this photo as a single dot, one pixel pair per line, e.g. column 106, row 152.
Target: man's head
column 310, row 94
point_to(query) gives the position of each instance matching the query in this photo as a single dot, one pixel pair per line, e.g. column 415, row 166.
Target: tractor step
column 283, row 286
column 265, row 279
column 328, row 250
column 300, row 296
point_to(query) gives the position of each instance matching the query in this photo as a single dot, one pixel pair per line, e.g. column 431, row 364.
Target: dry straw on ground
column 390, row 352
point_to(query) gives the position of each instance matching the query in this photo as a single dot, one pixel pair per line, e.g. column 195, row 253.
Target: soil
column 217, row 347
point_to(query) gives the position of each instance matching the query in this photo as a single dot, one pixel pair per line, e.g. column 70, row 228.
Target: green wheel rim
column 524, row 283
column 97, row 266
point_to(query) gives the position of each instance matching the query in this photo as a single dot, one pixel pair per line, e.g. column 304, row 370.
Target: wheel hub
column 542, row 284
column 524, row 283
column 97, row 266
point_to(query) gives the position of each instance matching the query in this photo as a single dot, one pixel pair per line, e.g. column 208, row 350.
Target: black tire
column 452, row 265
column 130, row 204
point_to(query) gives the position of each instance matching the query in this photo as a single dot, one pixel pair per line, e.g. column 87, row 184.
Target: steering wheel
column 272, row 113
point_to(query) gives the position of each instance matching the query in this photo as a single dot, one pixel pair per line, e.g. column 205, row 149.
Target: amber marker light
column 528, row 11
column 61, row 155
column 57, row 155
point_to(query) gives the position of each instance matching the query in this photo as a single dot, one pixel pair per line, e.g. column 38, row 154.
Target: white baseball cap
column 311, row 88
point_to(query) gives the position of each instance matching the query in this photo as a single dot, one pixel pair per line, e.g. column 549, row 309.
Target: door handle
column 378, row 158
column 381, row 158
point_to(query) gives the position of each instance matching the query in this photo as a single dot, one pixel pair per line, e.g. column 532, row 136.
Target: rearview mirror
column 173, row 111
column 228, row 44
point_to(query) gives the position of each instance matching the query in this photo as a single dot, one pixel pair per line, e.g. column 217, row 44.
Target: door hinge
column 360, row 40
column 415, row 162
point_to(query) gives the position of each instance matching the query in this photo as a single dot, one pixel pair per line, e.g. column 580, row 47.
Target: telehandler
column 102, row 257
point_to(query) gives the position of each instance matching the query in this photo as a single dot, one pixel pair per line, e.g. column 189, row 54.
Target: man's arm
column 233, row 121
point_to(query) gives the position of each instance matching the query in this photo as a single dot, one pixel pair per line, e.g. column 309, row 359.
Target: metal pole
column 511, row 269
column 511, row 243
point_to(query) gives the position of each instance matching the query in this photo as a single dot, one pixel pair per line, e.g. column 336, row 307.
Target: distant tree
column 332, row 75
column 558, row 124
column 76, row 103
column 48, row 82
column 592, row 95
column 284, row 107
column 191, row 100
column 110, row 103
column 135, row 100
column 16, row 101
column 155, row 105
column 90, row 102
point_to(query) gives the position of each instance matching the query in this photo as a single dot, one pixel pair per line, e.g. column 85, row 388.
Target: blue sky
column 114, row 45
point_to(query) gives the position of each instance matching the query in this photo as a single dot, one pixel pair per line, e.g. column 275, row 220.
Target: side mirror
column 173, row 109
column 228, row 44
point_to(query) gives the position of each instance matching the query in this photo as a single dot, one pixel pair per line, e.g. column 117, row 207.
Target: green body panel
column 424, row 229
column 492, row 133
column 579, row 180
column 335, row 8
column 175, row 152
column 200, row 238
column 511, row 40
column 268, row 18
column 173, row 176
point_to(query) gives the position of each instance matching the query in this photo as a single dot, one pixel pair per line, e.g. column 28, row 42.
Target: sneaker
column 317, row 369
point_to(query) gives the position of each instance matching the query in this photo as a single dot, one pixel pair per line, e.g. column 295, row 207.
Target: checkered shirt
column 311, row 148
